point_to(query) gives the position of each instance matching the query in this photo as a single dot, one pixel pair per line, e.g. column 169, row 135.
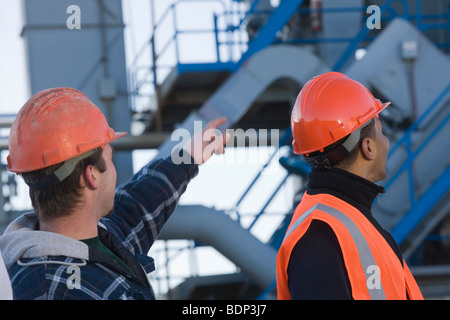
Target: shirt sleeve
column 144, row 203
column 316, row 269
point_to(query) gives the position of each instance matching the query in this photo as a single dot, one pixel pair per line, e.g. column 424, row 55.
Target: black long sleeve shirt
column 316, row 267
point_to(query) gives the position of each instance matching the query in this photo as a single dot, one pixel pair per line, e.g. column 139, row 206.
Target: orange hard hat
column 328, row 108
column 56, row 125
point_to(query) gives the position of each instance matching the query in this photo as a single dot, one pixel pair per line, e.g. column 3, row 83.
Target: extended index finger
column 216, row 123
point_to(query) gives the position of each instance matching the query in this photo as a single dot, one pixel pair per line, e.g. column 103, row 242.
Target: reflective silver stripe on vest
column 365, row 255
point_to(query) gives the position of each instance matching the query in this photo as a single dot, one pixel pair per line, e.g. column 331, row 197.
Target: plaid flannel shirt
column 142, row 206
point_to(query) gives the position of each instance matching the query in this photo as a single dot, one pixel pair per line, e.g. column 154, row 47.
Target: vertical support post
column 158, row 116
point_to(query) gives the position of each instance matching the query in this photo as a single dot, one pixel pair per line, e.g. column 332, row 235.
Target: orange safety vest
column 374, row 270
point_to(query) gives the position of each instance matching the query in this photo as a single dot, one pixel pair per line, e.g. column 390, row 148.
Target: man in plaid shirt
column 85, row 239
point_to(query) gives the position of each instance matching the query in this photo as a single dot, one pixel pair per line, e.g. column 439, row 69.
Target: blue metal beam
column 267, row 33
column 202, row 67
column 422, row 207
column 362, row 35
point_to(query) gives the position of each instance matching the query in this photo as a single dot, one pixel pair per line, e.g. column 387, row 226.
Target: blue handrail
column 419, row 207
column 267, row 33
column 350, row 51
column 287, row 135
column 406, row 138
column 232, row 37
column 423, row 206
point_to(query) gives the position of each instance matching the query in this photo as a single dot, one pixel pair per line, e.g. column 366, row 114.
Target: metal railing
column 232, row 45
column 235, row 24
column 410, row 221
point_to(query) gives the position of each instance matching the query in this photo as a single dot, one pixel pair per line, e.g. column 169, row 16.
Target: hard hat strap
column 354, row 137
column 59, row 174
column 326, row 160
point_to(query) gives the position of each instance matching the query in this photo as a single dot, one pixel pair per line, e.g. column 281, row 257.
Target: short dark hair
column 59, row 200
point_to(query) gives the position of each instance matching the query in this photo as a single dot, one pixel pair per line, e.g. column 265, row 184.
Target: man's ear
column 368, row 149
column 91, row 177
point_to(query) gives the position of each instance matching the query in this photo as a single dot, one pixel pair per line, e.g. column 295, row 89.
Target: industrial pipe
column 214, row 228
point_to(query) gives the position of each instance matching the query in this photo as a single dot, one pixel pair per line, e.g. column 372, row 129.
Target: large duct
column 237, row 94
column 214, row 228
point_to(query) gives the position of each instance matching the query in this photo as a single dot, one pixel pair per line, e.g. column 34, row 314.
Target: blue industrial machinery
column 232, row 38
column 271, row 21
column 420, row 206
column 263, row 54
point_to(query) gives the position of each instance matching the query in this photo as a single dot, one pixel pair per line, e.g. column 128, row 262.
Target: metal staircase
column 262, row 56
column 429, row 205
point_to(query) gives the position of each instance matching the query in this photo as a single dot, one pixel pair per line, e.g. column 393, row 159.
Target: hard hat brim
column 371, row 116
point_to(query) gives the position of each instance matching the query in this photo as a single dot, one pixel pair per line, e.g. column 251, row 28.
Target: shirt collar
column 345, row 185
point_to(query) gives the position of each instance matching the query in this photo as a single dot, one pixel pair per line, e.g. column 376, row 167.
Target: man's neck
column 76, row 228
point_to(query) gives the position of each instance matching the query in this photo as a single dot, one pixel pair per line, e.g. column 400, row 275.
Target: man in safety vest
column 334, row 248
column 85, row 239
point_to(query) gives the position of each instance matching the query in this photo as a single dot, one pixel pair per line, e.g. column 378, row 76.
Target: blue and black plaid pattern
column 142, row 206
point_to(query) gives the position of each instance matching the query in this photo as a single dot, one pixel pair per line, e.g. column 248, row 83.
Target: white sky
column 13, row 87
